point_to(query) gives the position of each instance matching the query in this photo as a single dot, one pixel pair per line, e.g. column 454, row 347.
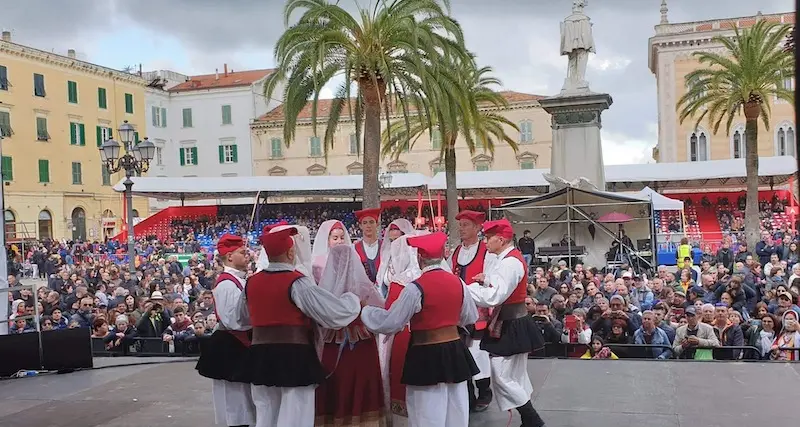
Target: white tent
column 660, row 201
column 573, row 212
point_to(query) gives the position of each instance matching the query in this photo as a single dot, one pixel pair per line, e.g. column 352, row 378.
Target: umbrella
column 615, row 218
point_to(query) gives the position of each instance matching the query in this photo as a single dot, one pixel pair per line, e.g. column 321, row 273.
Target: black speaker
column 19, row 352
column 66, row 349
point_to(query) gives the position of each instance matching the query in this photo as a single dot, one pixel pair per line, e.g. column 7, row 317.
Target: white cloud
column 620, row 149
column 614, row 63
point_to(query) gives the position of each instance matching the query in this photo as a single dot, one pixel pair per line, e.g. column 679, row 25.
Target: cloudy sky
column 518, row 38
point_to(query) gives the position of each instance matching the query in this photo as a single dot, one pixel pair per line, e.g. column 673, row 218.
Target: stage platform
column 568, row 393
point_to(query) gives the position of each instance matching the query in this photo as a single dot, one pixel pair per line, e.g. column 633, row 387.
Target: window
column 72, row 92
column 159, row 156
column 77, row 135
column 103, row 135
column 5, row 124
column 38, row 85
column 106, row 174
column 276, row 148
column 187, row 117
column 315, row 147
column 355, row 168
column 526, row 131
column 784, row 140
column 738, row 142
column 436, row 140
column 188, row 156
column 159, row 116
column 788, row 84
column 4, row 78
column 129, row 103
column 77, row 176
column 7, row 169
column 690, row 83
column 527, row 164
column 482, row 167
column 698, row 147
column 101, row 98
column 277, row 171
column 44, row 170
column 228, row 154
column 41, row 129
column 437, row 166
column 353, row 144
column 316, row 170
column 226, row 115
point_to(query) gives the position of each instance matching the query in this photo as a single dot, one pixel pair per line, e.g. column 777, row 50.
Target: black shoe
column 530, row 418
column 483, row 401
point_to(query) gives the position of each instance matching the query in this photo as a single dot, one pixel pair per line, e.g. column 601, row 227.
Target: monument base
column 577, row 145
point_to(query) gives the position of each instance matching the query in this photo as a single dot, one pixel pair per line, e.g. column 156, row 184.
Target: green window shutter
column 99, row 136
column 101, row 98
column 73, row 133
column 163, row 117
column 44, row 170
column 222, row 154
column 182, row 153
column 8, row 169
column 276, row 148
column 226, row 115
column 83, row 134
column 136, row 138
column 194, row 156
column 41, row 129
column 155, row 115
column 235, row 154
column 187, row 117
column 129, row 103
column 72, row 92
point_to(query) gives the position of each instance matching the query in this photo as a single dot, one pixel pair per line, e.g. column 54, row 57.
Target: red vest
column 371, row 266
column 442, row 297
column 521, row 291
column 240, row 335
column 467, row 272
column 269, row 299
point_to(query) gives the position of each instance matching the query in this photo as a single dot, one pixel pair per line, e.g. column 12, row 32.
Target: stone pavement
column 568, row 393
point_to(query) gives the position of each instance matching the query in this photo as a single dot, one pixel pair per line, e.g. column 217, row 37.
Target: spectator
column 598, row 350
column 649, row 334
column 154, row 322
column 544, row 293
column 725, row 255
column 181, row 328
column 788, row 340
column 527, row 247
column 641, row 296
column 728, row 334
column 84, row 317
column 765, row 248
column 693, row 335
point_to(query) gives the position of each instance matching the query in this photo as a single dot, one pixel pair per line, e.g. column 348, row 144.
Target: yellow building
column 305, row 155
column 54, row 112
column 671, row 59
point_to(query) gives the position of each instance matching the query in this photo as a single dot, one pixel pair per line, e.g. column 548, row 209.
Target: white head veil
column 402, row 266
column 319, row 252
column 302, row 245
column 344, row 273
column 408, row 230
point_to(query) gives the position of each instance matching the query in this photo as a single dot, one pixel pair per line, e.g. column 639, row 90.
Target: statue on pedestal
column 576, row 43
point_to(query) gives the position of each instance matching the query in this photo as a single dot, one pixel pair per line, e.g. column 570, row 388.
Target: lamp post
column 135, row 160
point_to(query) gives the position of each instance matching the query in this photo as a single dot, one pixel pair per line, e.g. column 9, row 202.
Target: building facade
column 55, row 111
column 305, row 155
column 671, row 59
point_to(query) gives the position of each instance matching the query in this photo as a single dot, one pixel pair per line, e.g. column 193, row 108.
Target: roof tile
column 232, row 79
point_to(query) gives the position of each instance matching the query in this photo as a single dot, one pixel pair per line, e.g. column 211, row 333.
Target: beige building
column 305, row 155
column 670, row 59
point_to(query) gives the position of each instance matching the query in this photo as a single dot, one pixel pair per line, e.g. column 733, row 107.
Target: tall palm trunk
column 372, row 95
column 751, row 220
column 451, row 193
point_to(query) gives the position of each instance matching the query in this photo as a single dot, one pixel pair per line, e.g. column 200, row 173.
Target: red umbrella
column 615, row 218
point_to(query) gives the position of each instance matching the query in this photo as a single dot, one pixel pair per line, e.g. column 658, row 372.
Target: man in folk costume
column 470, row 259
column 223, row 355
column 511, row 333
column 369, row 247
column 283, row 305
column 437, row 362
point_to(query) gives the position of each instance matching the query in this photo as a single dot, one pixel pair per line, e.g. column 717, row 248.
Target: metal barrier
column 644, row 351
column 148, row 347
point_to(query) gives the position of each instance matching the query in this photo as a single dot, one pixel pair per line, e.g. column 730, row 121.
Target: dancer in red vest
column 369, row 247
column 511, row 333
column 223, row 355
column 283, row 306
column 437, row 363
column 469, row 260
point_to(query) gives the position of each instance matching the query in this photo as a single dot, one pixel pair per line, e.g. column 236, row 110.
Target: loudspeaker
column 19, row 352
column 66, row 349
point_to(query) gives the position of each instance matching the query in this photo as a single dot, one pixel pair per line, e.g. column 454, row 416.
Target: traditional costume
column 223, row 356
column 467, row 262
column 437, row 363
column 352, row 393
column 322, row 243
column 511, row 333
column 402, row 226
column 369, row 253
column 283, row 305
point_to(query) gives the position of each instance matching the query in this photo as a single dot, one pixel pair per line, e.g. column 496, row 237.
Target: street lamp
column 135, row 161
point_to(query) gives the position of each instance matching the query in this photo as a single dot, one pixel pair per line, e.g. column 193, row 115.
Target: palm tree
column 461, row 102
column 384, row 54
column 741, row 81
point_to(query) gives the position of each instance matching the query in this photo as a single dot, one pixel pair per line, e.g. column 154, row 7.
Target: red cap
column 476, row 217
column 368, row 213
column 267, row 228
column 278, row 242
column 501, row 228
column 229, row 243
column 393, row 227
column 337, row 226
column 429, row 245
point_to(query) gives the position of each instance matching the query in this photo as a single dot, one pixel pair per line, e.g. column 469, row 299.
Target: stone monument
column 575, row 112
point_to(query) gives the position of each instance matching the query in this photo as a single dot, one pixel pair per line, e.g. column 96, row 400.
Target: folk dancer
column 437, row 362
column 283, row 305
column 330, row 233
column 396, row 228
column 352, row 393
column 470, row 259
column 368, row 248
column 223, row 355
column 511, row 333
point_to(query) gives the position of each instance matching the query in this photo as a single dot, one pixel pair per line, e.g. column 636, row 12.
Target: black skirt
column 432, row 364
column 223, row 357
column 517, row 336
column 285, row 365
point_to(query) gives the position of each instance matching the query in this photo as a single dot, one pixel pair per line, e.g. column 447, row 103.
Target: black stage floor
column 568, row 393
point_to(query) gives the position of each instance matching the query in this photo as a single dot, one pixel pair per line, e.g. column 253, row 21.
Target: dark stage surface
column 567, row 393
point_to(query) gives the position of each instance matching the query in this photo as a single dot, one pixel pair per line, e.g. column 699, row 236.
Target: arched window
column 738, row 142
column 785, row 140
column 11, row 225
column 698, row 146
column 78, row 224
column 45, row 225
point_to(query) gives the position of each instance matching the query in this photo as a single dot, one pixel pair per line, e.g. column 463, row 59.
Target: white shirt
column 467, row 253
column 503, row 275
column 409, row 303
column 371, row 249
column 226, row 301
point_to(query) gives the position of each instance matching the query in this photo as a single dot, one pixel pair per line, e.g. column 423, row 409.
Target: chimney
column 226, row 69
column 6, row 36
column 71, row 53
column 216, row 73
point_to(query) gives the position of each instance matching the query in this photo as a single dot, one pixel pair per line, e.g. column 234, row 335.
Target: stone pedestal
column 577, row 146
